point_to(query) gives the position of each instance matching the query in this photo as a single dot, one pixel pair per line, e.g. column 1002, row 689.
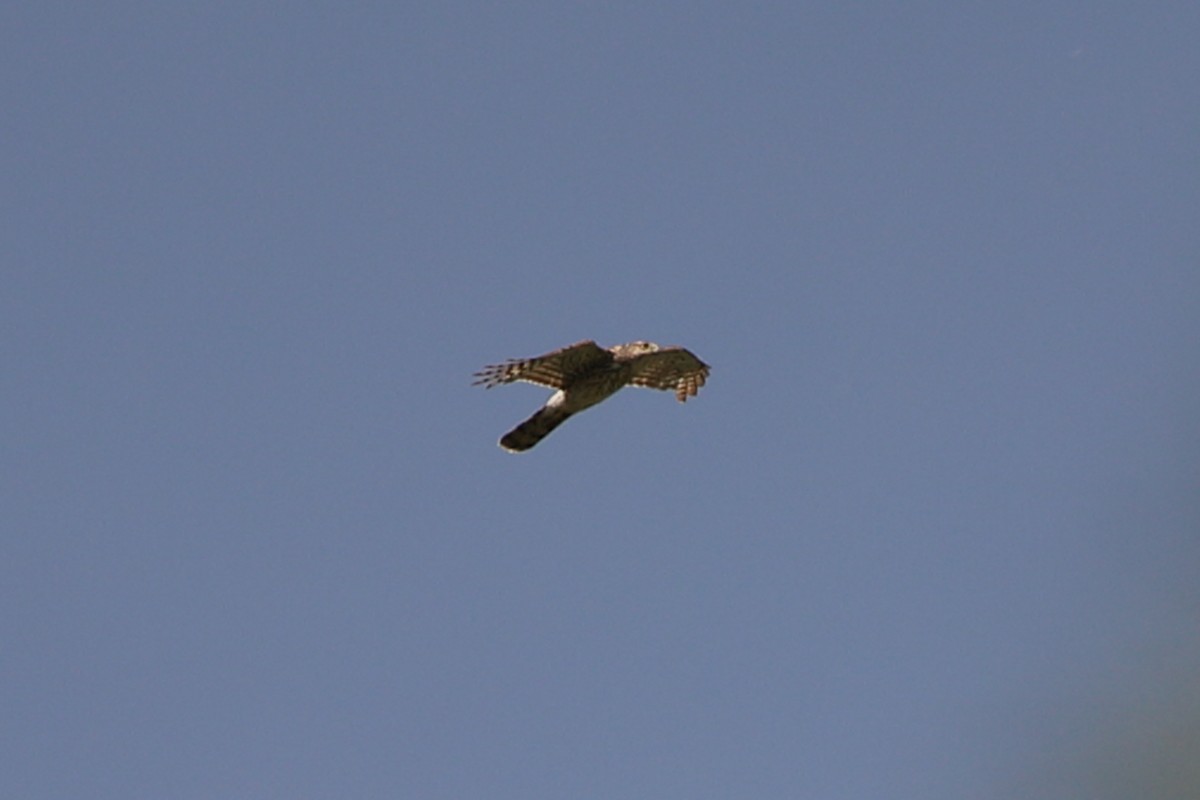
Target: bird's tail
column 534, row 429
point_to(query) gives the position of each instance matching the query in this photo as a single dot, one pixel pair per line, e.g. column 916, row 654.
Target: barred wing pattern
column 585, row 374
column 556, row 369
column 670, row 368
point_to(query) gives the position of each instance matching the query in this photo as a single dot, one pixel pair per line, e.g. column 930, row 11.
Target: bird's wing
column 555, row 369
column 670, row 368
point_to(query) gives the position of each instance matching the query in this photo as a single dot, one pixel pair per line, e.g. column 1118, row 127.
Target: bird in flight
column 585, row 373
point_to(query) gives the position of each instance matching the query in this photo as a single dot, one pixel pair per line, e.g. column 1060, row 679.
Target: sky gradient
column 930, row 530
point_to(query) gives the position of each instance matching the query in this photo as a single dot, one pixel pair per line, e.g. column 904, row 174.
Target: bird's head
column 638, row 348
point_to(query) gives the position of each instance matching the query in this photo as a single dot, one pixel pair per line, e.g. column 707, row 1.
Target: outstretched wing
column 555, row 369
column 670, row 368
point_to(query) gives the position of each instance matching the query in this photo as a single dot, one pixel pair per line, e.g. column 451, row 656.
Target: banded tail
column 534, row 429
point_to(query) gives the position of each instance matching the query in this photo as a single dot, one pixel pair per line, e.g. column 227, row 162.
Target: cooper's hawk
column 585, row 373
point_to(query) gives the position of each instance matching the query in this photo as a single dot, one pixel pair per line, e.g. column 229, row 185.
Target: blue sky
column 929, row 531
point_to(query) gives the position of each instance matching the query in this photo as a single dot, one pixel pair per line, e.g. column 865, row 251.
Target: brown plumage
column 585, row 374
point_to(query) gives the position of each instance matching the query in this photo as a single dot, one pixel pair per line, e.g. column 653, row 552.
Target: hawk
column 585, row 373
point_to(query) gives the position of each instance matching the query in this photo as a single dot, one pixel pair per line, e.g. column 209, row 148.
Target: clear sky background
column 929, row 532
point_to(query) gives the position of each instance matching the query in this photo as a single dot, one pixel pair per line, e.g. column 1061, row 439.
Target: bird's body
column 585, row 374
